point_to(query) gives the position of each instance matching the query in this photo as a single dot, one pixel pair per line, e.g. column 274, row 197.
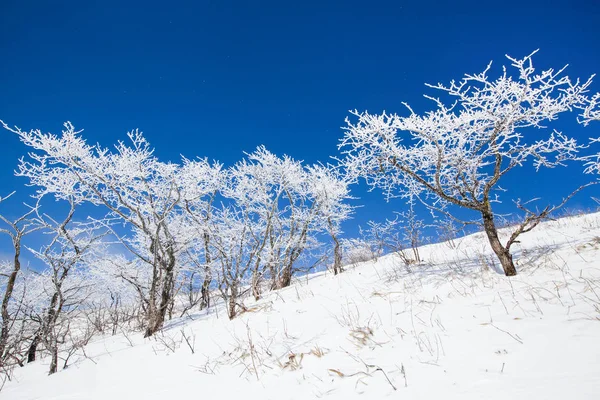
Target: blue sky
column 217, row 78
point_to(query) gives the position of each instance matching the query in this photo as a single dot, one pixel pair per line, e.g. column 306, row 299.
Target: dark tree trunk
column 157, row 316
column 502, row 252
column 48, row 330
column 273, row 273
column 31, row 353
column 54, row 359
column 286, row 277
column 155, row 320
column 153, row 324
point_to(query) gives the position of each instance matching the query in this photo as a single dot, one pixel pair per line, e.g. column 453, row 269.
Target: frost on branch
column 135, row 188
column 183, row 224
column 286, row 205
column 591, row 112
column 457, row 153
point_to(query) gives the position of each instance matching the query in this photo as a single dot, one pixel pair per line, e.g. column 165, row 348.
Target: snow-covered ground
column 452, row 328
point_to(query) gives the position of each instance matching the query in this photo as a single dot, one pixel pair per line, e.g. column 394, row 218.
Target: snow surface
column 453, row 328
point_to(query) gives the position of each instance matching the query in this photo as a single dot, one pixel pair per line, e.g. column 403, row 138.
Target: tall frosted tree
column 135, row 188
column 458, row 154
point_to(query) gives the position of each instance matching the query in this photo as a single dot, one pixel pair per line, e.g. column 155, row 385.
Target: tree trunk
column 286, row 277
column 232, row 301
column 31, row 353
column 256, row 275
column 337, row 250
column 255, row 285
column 273, row 273
column 6, row 319
column 205, row 291
column 152, row 323
column 287, row 273
column 54, row 359
column 157, row 315
column 337, row 259
column 502, row 252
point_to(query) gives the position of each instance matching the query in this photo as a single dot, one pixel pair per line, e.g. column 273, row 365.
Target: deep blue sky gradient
column 217, row 78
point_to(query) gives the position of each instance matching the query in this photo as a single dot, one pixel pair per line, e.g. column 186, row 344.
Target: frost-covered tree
column 65, row 284
column 27, row 296
column 271, row 192
column 413, row 228
column 457, row 154
column 293, row 203
column 237, row 241
column 330, row 191
column 181, row 224
column 11, row 310
column 137, row 190
column 201, row 182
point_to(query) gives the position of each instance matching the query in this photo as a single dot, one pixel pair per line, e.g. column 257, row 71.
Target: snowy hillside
column 452, row 328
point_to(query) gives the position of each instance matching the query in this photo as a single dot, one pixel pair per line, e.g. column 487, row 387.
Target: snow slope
column 453, row 328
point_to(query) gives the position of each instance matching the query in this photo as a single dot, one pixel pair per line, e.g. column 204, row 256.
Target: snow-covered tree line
column 169, row 236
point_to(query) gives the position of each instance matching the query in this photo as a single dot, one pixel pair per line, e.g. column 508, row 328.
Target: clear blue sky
column 217, row 78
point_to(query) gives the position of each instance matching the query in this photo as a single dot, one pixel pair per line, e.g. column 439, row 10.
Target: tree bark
column 286, row 277
column 54, row 359
column 501, row 252
column 337, row 250
column 287, row 273
column 205, row 291
column 48, row 329
column 231, row 312
column 156, row 315
column 6, row 319
column 256, row 275
column 31, row 353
